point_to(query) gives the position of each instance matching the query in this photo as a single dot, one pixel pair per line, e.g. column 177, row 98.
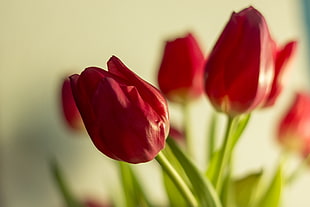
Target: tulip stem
column 212, row 136
column 187, row 128
column 224, row 155
column 176, row 178
column 63, row 187
column 299, row 169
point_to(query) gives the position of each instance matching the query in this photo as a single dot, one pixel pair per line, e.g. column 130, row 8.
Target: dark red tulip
column 180, row 75
column 282, row 57
column 126, row 117
column 294, row 130
column 240, row 69
column 70, row 111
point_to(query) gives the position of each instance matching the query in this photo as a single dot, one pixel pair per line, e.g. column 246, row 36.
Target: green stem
column 127, row 184
column 212, row 136
column 187, row 128
column 224, row 155
column 299, row 169
column 70, row 200
column 177, row 179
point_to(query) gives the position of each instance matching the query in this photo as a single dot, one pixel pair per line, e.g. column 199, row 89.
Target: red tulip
column 126, row 117
column 240, row 68
column 294, row 130
column 180, row 76
column 70, row 111
column 282, row 57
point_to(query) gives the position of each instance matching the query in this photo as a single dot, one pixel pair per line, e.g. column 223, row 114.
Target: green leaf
column 202, row 187
column 213, row 164
column 64, row 189
column 234, row 130
column 174, row 195
column 272, row 196
column 134, row 194
column 245, row 188
column 241, row 124
column 178, row 179
column 227, row 196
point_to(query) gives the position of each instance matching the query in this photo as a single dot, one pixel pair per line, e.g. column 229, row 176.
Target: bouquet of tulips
column 128, row 119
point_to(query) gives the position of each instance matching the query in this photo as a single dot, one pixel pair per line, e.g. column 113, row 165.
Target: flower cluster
column 127, row 118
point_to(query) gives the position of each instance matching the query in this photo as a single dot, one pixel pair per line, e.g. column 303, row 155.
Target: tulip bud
column 294, row 130
column 282, row 57
column 126, row 117
column 180, row 75
column 240, row 68
column 69, row 109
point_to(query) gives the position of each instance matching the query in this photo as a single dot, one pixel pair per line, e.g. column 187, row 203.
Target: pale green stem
column 212, row 136
column 299, row 169
column 70, row 200
column 188, row 128
column 177, row 179
column 224, row 155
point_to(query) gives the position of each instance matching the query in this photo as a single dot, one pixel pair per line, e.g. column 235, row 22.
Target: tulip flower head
column 294, row 130
column 69, row 109
column 126, row 117
column 180, row 75
column 240, row 68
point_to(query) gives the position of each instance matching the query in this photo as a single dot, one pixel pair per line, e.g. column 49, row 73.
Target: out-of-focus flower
column 69, row 109
column 180, row 75
column 93, row 203
column 126, row 117
column 176, row 134
column 294, row 130
column 240, row 69
column 282, row 57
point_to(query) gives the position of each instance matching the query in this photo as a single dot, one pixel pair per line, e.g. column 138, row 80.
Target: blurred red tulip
column 294, row 130
column 176, row 134
column 180, row 75
column 70, row 111
column 282, row 57
column 240, row 69
column 126, row 117
column 93, row 203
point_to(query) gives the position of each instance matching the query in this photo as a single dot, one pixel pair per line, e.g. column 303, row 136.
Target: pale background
column 42, row 41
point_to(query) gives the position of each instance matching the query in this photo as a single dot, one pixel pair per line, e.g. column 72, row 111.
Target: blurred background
column 42, row 41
